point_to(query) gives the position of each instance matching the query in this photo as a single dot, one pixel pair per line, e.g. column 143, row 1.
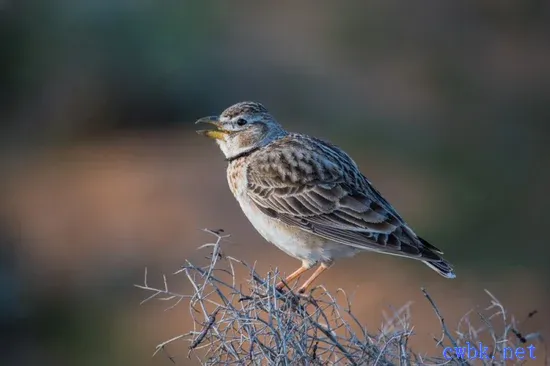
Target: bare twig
column 441, row 319
column 203, row 333
column 254, row 323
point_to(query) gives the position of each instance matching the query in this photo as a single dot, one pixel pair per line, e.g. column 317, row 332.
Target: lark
column 308, row 197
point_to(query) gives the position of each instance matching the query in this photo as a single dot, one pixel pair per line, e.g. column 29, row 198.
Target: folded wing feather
column 317, row 187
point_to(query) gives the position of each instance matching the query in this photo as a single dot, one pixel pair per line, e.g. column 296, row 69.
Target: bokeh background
column 444, row 105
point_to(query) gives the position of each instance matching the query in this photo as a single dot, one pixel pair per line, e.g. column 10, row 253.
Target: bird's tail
column 436, row 262
column 442, row 267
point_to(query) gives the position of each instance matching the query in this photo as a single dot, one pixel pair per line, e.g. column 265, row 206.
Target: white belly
column 300, row 244
column 297, row 243
column 275, row 232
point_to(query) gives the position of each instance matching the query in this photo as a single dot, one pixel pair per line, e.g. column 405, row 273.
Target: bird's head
column 241, row 128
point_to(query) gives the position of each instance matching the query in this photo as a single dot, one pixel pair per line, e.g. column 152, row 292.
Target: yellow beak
column 218, row 133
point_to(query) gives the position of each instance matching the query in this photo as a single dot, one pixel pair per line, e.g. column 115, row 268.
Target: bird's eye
column 241, row 122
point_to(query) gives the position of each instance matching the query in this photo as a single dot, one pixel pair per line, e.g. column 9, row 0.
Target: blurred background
column 444, row 106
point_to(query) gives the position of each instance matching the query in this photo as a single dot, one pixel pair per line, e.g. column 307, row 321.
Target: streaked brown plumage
column 308, row 196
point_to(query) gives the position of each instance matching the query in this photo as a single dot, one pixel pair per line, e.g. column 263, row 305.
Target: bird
column 308, row 197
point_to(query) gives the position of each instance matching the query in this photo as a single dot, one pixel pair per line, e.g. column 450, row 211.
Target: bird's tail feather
column 442, row 267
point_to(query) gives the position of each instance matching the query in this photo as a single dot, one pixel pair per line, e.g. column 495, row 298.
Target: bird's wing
column 313, row 185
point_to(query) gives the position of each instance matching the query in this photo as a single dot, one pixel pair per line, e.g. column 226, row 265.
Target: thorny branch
column 257, row 324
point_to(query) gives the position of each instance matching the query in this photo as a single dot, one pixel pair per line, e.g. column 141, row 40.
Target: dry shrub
column 256, row 324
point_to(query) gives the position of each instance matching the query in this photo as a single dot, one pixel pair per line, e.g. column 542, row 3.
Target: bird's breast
column 236, row 178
